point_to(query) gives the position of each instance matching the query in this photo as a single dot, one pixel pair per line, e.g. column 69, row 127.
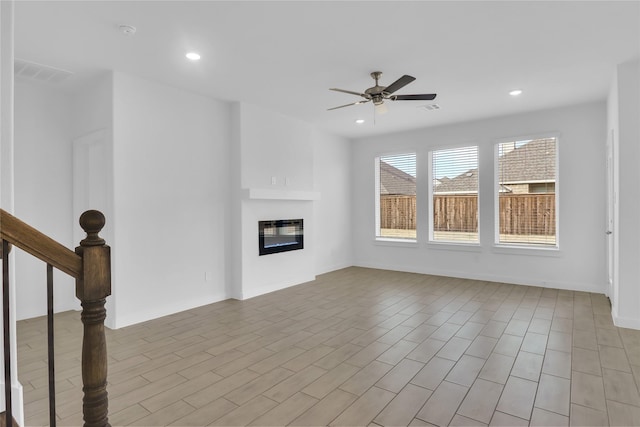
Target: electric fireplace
column 280, row 235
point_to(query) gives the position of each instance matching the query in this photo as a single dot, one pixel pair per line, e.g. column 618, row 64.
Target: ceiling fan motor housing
column 377, row 99
column 376, row 92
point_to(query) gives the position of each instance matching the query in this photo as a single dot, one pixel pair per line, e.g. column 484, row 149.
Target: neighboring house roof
column 464, row 183
column 532, row 162
column 393, row 181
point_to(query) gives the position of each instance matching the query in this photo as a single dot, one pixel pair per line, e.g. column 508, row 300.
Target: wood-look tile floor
column 357, row 347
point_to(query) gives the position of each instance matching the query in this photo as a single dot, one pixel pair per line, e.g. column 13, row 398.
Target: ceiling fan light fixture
column 381, row 108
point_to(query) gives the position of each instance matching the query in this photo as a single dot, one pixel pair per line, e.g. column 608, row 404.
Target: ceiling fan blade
column 423, row 97
column 348, row 91
column 347, row 105
column 399, row 84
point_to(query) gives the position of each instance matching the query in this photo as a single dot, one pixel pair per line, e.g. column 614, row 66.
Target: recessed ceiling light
column 193, row 56
column 430, row 107
column 360, row 121
column 515, row 92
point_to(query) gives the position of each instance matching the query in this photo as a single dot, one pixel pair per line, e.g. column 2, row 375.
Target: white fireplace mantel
column 279, row 194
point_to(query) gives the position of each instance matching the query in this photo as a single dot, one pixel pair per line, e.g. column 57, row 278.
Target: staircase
column 90, row 265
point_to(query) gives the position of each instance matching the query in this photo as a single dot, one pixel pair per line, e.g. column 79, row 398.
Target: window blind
column 396, row 196
column 454, row 181
column 527, row 197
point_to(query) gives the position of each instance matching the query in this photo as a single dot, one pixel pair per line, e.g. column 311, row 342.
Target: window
column 454, row 191
column 527, row 196
column 396, row 196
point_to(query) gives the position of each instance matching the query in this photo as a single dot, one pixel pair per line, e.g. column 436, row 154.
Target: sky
column 454, row 161
column 404, row 162
column 450, row 162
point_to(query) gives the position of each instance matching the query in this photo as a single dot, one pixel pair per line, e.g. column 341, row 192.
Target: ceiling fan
column 377, row 94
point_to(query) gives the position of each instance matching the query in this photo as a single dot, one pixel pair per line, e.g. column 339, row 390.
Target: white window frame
column 395, row 241
column 430, row 194
column 531, row 248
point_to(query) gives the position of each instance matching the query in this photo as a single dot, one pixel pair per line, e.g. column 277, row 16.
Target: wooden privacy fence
column 455, row 213
column 398, row 212
column 528, row 214
column 520, row 214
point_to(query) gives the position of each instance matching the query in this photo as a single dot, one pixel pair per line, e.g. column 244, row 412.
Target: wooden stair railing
column 90, row 265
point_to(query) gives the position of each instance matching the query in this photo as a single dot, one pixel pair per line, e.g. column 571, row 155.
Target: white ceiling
column 285, row 55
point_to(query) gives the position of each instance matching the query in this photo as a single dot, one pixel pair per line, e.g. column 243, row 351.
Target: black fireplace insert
column 280, row 235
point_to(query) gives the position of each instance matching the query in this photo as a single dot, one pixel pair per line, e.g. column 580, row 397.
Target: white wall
column 580, row 262
column 43, row 179
column 275, row 146
column 93, row 106
column 612, row 129
column 332, row 177
column 234, row 260
column 92, row 114
column 285, row 155
column 47, row 121
column 623, row 113
column 171, row 151
column 6, row 104
column 275, row 152
column 7, row 179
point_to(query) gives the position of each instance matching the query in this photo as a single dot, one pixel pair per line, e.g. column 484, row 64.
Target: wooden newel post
column 93, row 286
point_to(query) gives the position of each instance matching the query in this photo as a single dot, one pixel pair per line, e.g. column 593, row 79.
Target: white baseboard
column 570, row 286
column 156, row 312
column 17, row 402
column 265, row 289
column 334, row 267
column 626, row 322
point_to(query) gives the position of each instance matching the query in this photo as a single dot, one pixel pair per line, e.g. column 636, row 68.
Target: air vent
column 430, row 107
column 43, row 73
